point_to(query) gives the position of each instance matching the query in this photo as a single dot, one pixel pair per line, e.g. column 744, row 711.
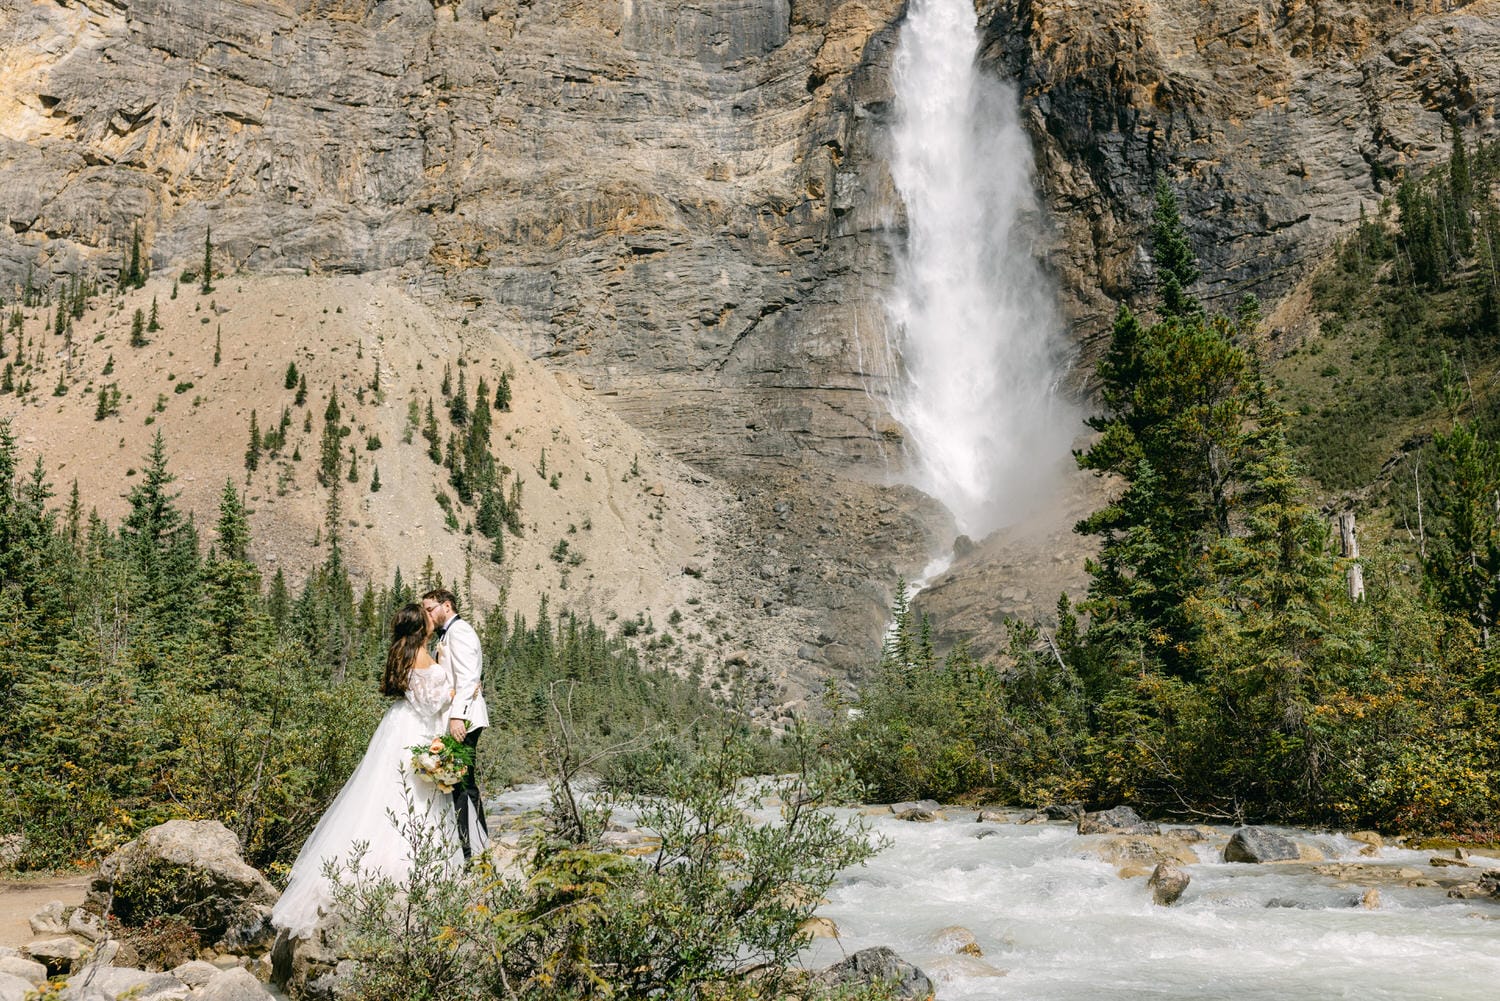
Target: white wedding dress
column 379, row 787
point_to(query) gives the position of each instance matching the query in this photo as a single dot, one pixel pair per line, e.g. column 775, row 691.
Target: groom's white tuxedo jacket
column 459, row 652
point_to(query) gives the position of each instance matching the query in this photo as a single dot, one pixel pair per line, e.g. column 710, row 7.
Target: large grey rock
column 299, row 963
column 190, row 868
column 881, row 965
column 195, row 973
column 238, row 984
column 57, row 954
column 50, row 919
column 26, row 969
column 113, row 983
column 85, row 924
column 1120, row 820
column 14, row 988
column 1256, row 844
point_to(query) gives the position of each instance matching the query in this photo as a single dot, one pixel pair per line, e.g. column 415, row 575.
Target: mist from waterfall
column 973, row 315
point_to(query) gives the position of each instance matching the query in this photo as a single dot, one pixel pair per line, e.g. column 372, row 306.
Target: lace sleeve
column 429, row 690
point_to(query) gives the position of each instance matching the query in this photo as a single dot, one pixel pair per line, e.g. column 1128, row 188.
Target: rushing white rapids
column 1057, row 924
column 972, row 315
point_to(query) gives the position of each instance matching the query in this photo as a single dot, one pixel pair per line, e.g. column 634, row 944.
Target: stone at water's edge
column 1120, row 820
column 1256, row 844
column 881, row 965
column 1167, row 884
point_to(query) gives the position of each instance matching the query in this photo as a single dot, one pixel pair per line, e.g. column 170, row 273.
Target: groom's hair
column 442, row 596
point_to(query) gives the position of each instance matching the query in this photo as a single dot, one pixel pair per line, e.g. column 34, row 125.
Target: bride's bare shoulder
column 424, row 660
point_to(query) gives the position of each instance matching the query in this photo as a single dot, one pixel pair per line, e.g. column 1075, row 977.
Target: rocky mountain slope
column 682, row 210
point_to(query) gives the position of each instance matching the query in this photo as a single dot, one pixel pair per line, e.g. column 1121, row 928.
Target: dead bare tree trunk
column 1349, row 543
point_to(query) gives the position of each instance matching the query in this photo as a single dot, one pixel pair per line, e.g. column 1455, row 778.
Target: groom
column 458, row 651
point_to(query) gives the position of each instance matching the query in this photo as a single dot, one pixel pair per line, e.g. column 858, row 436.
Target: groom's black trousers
column 466, row 797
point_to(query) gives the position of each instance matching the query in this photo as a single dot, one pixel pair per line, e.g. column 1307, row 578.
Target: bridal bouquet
column 442, row 761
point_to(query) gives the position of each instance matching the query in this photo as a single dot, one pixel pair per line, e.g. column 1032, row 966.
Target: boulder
column 297, row 962
column 85, row 924
column 928, row 805
column 238, row 984
column 1256, row 844
column 985, row 833
column 1489, row 882
column 919, row 816
column 195, row 973
column 1368, row 838
column 1121, row 849
column 26, row 969
column 57, row 954
column 113, row 983
column 12, row 847
column 1443, row 862
column 956, row 939
column 189, row 868
column 1063, row 811
column 1370, row 900
column 14, row 988
column 1120, row 820
column 50, row 919
column 1167, row 883
column 881, row 965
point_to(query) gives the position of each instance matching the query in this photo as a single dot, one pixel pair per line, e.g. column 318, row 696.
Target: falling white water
column 973, row 314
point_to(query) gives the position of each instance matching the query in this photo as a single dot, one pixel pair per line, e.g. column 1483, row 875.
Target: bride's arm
column 429, row 690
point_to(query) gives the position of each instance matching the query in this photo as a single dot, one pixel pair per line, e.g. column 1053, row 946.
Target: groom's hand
column 457, row 728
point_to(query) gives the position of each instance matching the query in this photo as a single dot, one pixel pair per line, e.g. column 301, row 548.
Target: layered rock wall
column 1274, row 121
column 685, row 202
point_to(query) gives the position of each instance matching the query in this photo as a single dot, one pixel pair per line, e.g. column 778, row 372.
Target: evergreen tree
column 218, row 344
column 447, row 388
column 230, row 609
column 502, row 392
column 458, row 406
column 301, row 397
column 154, row 323
column 207, row 284
column 353, row 465
column 157, row 536
column 430, row 432
column 1172, row 254
column 290, row 382
column 138, row 330
column 330, row 449
column 375, row 481
column 252, row 451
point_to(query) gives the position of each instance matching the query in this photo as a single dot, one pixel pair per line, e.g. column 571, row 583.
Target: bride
column 373, row 805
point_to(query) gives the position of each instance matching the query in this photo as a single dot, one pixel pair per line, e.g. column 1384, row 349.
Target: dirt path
column 19, row 900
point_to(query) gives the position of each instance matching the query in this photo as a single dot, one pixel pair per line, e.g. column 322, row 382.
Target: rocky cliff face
column 684, row 202
column 1275, row 122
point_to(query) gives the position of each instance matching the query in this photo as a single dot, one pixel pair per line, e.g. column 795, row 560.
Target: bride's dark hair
column 408, row 635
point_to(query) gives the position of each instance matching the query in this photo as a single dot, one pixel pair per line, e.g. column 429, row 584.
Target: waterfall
column 972, row 315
